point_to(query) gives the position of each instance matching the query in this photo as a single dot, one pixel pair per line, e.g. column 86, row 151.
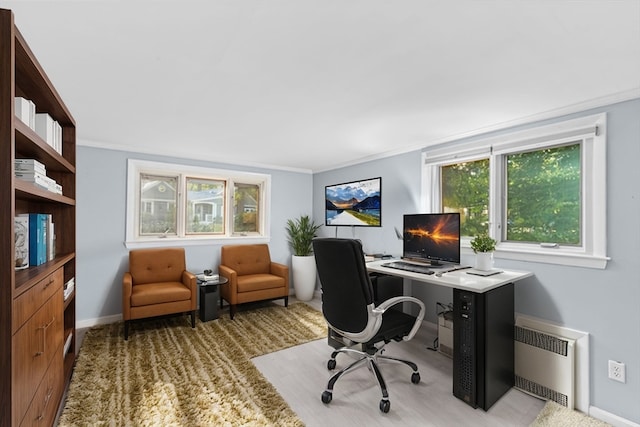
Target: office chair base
column 371, row 360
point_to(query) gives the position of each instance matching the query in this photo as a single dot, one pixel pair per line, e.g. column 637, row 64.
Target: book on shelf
column 25, row 110
column 29, row 165
column 39, row 180
column 49, row 130
column 21, row 239
column 35, row 178
column 68, row 287
column 51, row 238
column 67, row 344
column 37, row 238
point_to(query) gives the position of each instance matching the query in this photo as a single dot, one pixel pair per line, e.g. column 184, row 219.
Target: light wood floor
column 300, row 375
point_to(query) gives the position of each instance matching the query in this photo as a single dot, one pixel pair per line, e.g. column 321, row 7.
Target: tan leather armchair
column 251, row 276
column 156, row 284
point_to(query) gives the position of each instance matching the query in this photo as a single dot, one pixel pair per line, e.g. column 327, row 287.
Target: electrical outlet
column 617, row 371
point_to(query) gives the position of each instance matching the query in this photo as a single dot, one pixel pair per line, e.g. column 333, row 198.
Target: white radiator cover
column 552, row 362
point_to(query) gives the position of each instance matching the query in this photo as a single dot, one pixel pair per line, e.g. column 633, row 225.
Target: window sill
column 552, row 256
column 163, row 242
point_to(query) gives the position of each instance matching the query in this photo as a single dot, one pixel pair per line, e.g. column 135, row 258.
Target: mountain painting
column 354, row 203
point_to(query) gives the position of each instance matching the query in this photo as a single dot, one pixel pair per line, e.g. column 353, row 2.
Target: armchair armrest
column 385, row 305
column 280, row 270
column 189, row 280
column 230, row 288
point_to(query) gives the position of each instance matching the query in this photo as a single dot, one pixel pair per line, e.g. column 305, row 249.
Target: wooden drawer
column 29, row 302
column 44, row 406
column 34, row 346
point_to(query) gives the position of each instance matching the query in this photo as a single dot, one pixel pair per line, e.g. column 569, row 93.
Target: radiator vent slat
column 541, row 391
column 541, row 340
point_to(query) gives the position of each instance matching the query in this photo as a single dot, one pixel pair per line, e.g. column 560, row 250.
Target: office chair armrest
column 385, row 305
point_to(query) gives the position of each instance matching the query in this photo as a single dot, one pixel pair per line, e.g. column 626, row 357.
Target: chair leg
column 126, row 330
column 232, row 310
column 286, row 301
column 193, row 318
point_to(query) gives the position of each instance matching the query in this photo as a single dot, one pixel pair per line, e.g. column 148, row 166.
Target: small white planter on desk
column 484, row 261
column 304, row 276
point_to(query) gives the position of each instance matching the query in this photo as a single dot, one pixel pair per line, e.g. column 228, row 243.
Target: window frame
column 136, row 168
column 590, row 130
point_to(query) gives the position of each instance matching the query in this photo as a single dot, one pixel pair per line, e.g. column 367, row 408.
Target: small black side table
column 209, row 296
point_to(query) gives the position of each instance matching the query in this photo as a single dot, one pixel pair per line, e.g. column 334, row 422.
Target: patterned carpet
column 169, row 374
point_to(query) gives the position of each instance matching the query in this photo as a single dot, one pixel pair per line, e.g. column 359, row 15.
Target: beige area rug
column 168, row 374
column 554, row 415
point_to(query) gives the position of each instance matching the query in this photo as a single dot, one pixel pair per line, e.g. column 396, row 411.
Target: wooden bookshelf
column 35, row 319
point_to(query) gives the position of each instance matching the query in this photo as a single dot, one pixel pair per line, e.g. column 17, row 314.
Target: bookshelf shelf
column 34, row 296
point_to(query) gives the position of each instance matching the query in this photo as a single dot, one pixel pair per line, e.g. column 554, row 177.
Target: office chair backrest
column 346, row 289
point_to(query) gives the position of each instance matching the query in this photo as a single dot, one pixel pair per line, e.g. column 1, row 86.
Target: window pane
column 158, row 199
column 543, row 196
column 205, row 206
column 465, row 189
column 246, row 198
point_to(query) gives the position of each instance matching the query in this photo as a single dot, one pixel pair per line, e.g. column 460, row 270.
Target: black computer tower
column 483, row 355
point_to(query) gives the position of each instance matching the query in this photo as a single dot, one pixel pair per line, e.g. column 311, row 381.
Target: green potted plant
column 483, row 246
column 300, row 233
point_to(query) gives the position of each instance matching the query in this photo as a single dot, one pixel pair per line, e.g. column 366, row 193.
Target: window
column 540, row 193
column 169, row 202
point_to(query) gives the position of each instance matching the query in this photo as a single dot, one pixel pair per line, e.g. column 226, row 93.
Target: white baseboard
column 610, row 418
column 88, row 323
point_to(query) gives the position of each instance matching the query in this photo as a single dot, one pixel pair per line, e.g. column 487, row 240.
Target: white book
column 45, row 127
column 25, row 110
column 51, row 238
column 58, row 135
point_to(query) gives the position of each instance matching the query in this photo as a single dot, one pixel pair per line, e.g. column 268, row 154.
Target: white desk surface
column 453, row 279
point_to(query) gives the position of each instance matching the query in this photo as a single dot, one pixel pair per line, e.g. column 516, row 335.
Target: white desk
column 483, row 327
column 458, row 279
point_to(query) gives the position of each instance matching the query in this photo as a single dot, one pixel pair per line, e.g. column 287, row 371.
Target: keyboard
column 407, row 266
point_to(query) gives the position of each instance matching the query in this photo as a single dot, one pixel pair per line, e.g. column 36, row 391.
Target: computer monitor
column 431, row 238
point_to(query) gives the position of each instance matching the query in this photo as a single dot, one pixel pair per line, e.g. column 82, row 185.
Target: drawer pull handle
column 49, row 282
column 46, row 403
column 44, row 336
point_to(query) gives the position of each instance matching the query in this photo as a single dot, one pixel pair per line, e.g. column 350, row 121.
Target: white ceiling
column 315, row 84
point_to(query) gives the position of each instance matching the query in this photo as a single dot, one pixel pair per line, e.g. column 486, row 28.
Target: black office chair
column 348, row 307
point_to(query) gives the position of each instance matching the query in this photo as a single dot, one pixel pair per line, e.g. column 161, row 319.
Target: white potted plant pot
column 484, row 261
column 304, row 276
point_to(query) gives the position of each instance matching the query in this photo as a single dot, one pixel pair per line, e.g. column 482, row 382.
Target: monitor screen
column 355, row 203
column 432, row 237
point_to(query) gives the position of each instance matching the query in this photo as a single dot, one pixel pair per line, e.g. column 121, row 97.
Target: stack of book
column 35, row 240
column 35, row 172
column 42, row 123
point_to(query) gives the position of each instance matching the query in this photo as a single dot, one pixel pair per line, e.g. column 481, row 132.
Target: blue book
column 37, row 239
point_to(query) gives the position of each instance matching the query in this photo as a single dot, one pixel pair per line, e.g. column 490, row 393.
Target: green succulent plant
column 483, row 243
column 300, row 233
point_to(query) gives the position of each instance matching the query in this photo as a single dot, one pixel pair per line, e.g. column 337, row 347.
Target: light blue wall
column 604, row 303
column 102, row 257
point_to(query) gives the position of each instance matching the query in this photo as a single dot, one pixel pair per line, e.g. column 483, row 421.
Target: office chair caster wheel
column 331, row 364
column 326, row 396
column 385, row 405
column 415, row 377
